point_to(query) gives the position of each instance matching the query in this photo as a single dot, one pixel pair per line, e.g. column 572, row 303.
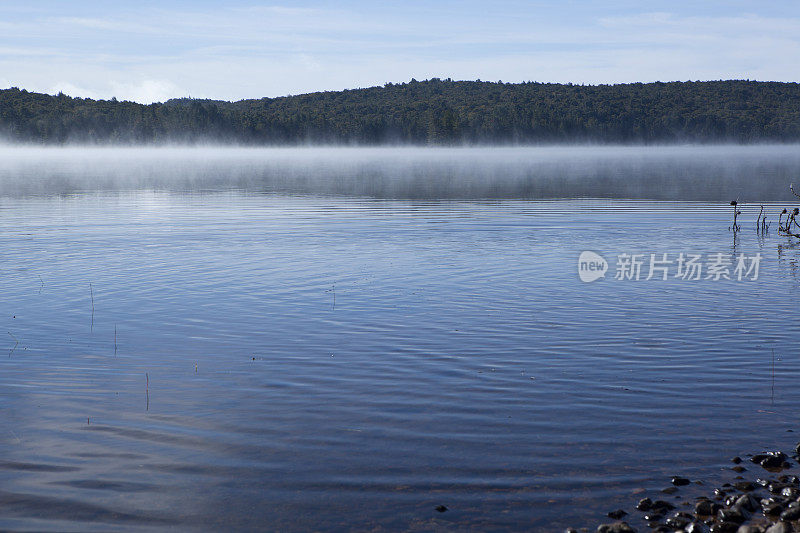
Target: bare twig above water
column 16, row 343
column 736, row 212
column 773, row 376
column 758, row 220
column 333, row 290
column 762, row 226
column 91, row 293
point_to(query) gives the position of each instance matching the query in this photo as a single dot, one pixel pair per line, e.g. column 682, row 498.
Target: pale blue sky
column 151, row 51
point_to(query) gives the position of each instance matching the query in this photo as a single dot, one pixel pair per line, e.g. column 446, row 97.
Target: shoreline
column 763, row 498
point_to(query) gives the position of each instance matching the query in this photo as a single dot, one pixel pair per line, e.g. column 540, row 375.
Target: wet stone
column 724, row 527
column 790, row 492
column 744, row 486
column 670, row 490
column 662, row 507
column 773, row 509
column 770, row 460
column 780, row 527
column 750, row 529
column 706, row 508
column 616, row 527
column 736, row 460
column 791, row 514
column 739, row 468
column 677, row 522
column 777, row 488
column 645, row 504
column 748, row 502
column 616, row 515
column 680, row 481
column 733, row 514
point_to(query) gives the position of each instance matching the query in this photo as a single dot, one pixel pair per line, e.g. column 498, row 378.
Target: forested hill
column 428, row 112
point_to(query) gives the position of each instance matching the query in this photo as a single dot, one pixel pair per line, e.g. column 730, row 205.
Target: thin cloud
column 152, row 54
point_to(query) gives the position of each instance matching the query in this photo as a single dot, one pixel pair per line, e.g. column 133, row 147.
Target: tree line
column 431, row 112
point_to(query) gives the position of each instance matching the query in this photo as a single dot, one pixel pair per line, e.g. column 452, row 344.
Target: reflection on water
column 463, row 363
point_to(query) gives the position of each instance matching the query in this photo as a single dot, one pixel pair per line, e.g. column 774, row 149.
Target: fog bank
column 708, row 173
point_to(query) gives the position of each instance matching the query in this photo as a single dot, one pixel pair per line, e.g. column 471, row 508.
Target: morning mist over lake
column 424, row 267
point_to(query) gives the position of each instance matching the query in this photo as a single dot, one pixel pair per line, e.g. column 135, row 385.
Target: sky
column 149, row 51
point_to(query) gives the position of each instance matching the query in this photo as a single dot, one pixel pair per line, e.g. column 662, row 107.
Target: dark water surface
column 289, row 362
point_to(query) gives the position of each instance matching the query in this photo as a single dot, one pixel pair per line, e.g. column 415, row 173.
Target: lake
column 329, row 339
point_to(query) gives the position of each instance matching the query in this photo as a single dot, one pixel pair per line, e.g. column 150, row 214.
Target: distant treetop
column 433, row 112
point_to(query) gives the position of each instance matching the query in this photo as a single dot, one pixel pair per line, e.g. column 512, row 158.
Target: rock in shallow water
column 616, row 515
column 680, row 481
column 645, row 504
column 616, row 527
column 662, row 507
column 780, row 527
column 770, row 460
column 706, row 508
column 696, row 527
column 791, row 514
column 734, row 514
column 750, row 529
column 724, row 527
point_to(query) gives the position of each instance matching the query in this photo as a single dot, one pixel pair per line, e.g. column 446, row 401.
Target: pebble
column 780, row 527
column 749, row 529
column 645, row 504
column 791, row 514
column 733, row 514
column 769, row 505
column 441, row 508
column 724, row 527
column 695, row 527
column 706, row 508
column 773, row 509
column 616, row 527
column 770, row 460
column 662, row 506
column 744, row 486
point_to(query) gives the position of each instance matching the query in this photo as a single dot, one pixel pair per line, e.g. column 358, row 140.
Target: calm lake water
column 248, row 357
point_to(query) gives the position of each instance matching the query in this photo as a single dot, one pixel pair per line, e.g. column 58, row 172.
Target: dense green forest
column 427, row 112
